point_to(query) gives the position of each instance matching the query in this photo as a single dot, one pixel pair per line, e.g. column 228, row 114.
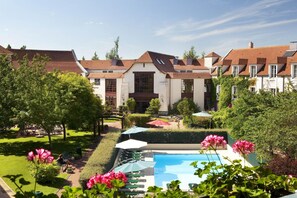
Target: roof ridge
column 274, row 46
column 42, row 50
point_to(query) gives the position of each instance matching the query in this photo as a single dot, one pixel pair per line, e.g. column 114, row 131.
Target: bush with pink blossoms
column 243, row 147
column 213, row 142
column 106, row 179
column 43, row 168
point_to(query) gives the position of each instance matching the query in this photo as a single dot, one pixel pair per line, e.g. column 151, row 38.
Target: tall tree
column 7, row 90
column 72, row 93
column 191, row 54
column 83, row 58
column 36, row 94
column 8, row 47
column 114, row 52
column 95, row 56
column 23, row 47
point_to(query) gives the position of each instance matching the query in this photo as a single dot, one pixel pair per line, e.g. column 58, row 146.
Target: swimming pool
column 177, row 167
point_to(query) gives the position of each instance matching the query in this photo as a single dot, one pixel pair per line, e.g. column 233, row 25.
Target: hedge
column 102, row 158
column 175, row 137
column 139, row 119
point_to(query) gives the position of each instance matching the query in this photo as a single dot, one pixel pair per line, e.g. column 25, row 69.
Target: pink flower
column 106, row 179
column 42, row 156
column 243, row 147
column 30, row 156
column 213, row 142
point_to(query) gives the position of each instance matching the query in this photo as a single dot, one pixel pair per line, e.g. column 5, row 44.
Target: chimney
column 114, row 62
column 293, row 45
column 175, row 60
column 251, row 44
column 189, row 61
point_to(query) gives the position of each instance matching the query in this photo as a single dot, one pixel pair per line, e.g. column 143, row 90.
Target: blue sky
column 166, row 26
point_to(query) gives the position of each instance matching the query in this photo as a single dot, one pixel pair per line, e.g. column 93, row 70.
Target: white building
column 152, row 75
column 273, row 68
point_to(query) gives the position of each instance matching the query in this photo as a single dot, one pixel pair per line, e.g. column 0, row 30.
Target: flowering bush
column 106, row 179
column 106, row 185
column 42, row 167
column 243, row 147
column 213, row 142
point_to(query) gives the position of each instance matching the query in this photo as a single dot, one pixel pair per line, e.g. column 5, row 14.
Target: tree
column 72, row 93
column 187, row 107
column 95, row 57
column 83, row 58
column 131, row 104
column 36, row 94
column 191, row 54
column 7, row 96
column 114, row 52
column 8, row 47
column 154, row 106
column 23, row 47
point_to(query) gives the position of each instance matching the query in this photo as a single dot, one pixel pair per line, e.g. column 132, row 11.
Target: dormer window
column 272, row 71
column 294, row 71
column 235, row 71
column 253, row 71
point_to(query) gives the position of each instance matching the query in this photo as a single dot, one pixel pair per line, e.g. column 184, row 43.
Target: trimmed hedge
column 175, row 137
column 139, row 119
column 102, row 158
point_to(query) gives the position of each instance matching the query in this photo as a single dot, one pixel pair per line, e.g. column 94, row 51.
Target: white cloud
column 189, row 30
column 239, row 28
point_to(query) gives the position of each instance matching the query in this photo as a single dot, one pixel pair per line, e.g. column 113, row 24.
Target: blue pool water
column 177, row 167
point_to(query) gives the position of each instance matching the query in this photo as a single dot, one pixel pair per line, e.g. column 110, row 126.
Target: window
column 97, row 81
column 234, row 92
column 294, row 71
column 183, row 71
column 273, row 91
column 253, row 71
column 110, row 85
column 272, row 71
column 253, row 89
column 144, row 82
column 104, row 71
column 235, row 71
column 110, row 71
column 187, row 86
column 218, row 90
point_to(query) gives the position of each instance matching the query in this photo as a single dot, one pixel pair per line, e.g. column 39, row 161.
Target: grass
column 110, row 120
column 14, row 165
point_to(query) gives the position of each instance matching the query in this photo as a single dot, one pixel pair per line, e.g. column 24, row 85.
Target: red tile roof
column 106, row 64
column 197, row 64
column 64, row 61
column 4, row 51
column 106, row 75
column 161, row 61
column 254, row 56
column 177, row 75
column 212, row 54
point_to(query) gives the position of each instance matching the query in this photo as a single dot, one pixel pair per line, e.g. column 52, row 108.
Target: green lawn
column 14, row 165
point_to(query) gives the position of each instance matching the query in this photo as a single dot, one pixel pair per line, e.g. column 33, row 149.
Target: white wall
column 208, row 61
column 199, row 92
column 99, row 90
column 160, row 82
column 175, row 89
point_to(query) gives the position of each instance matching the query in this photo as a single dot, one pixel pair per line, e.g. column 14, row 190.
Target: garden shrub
column 154, row 107
column 44, row 173
column 139, row 119
column 283, row 165
column 192, row 106
column 200, row 122
column 102, row 159
column 131, row 104
column 175, row 137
